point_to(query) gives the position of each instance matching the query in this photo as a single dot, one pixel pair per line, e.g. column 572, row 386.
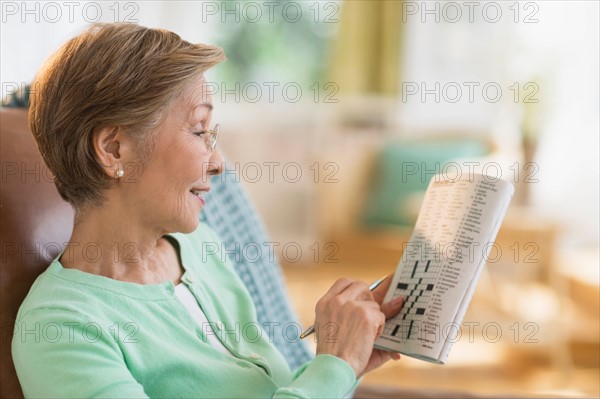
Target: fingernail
column 397, row 301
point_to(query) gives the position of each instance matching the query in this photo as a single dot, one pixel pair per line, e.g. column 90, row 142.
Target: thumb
column 392, row 308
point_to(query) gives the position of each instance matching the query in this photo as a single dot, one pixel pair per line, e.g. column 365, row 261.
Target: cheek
column 191, row 156
column 181, row 202
column 177, row 168
column 178, row 204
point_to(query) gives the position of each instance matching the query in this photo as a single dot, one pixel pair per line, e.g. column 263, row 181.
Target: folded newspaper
column 441, row 265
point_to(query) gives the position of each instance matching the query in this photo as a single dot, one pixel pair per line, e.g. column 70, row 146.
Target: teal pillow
column 403, row 171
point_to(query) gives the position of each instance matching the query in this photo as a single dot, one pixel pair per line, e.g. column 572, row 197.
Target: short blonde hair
column 115, row 74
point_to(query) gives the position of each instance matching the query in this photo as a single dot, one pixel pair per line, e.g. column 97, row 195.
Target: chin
column 188, row 225
column 189, row 228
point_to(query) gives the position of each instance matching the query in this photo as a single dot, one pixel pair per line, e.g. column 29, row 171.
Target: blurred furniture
column 370, row 211
column 380, row 183
column 36, row 223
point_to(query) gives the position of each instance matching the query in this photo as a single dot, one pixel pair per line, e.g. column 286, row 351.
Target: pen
column 311, row 329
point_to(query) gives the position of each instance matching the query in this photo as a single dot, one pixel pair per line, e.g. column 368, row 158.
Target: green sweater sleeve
column 57, row 353
column 326, row 376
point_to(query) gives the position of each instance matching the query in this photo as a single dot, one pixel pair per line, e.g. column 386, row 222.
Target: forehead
column 196, row 101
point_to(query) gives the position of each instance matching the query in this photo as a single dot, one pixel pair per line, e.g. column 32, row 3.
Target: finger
column 338, row 287
column 372, row 316
column 392, row 308
column 379, row 292
column 387, row 355
column 381, row 324
column 379, row 357
column 358, row 291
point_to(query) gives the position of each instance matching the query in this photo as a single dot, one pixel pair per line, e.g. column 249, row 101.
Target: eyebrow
column 193, row 111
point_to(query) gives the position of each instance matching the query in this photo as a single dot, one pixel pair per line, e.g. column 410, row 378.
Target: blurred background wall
column 327, row 107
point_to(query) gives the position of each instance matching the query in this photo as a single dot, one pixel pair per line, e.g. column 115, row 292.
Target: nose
column 216, row 164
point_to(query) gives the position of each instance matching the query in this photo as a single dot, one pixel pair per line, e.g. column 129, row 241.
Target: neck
column 115, row 243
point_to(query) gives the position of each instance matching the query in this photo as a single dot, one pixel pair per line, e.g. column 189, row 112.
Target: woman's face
column 170, row 188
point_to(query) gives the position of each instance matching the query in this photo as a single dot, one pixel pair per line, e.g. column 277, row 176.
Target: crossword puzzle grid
column 416, row 285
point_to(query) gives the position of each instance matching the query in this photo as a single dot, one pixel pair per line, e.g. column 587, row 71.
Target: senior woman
column 134, row 306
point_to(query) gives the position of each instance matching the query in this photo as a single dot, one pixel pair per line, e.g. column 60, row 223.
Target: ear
column 112, row 147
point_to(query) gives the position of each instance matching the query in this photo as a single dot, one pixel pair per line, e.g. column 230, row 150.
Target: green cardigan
column 82, row 335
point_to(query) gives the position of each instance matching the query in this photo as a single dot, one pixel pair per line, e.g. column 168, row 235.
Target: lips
column 200, row 193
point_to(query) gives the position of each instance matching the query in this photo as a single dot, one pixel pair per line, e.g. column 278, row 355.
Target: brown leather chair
column 35, row 224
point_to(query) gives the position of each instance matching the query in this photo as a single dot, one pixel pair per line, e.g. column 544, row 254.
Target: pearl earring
column 120, row 173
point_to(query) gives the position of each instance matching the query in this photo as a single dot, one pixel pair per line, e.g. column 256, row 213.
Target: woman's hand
column 389, row 309
column 349, row 319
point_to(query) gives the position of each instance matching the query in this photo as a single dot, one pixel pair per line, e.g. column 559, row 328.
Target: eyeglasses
column 211, row 136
